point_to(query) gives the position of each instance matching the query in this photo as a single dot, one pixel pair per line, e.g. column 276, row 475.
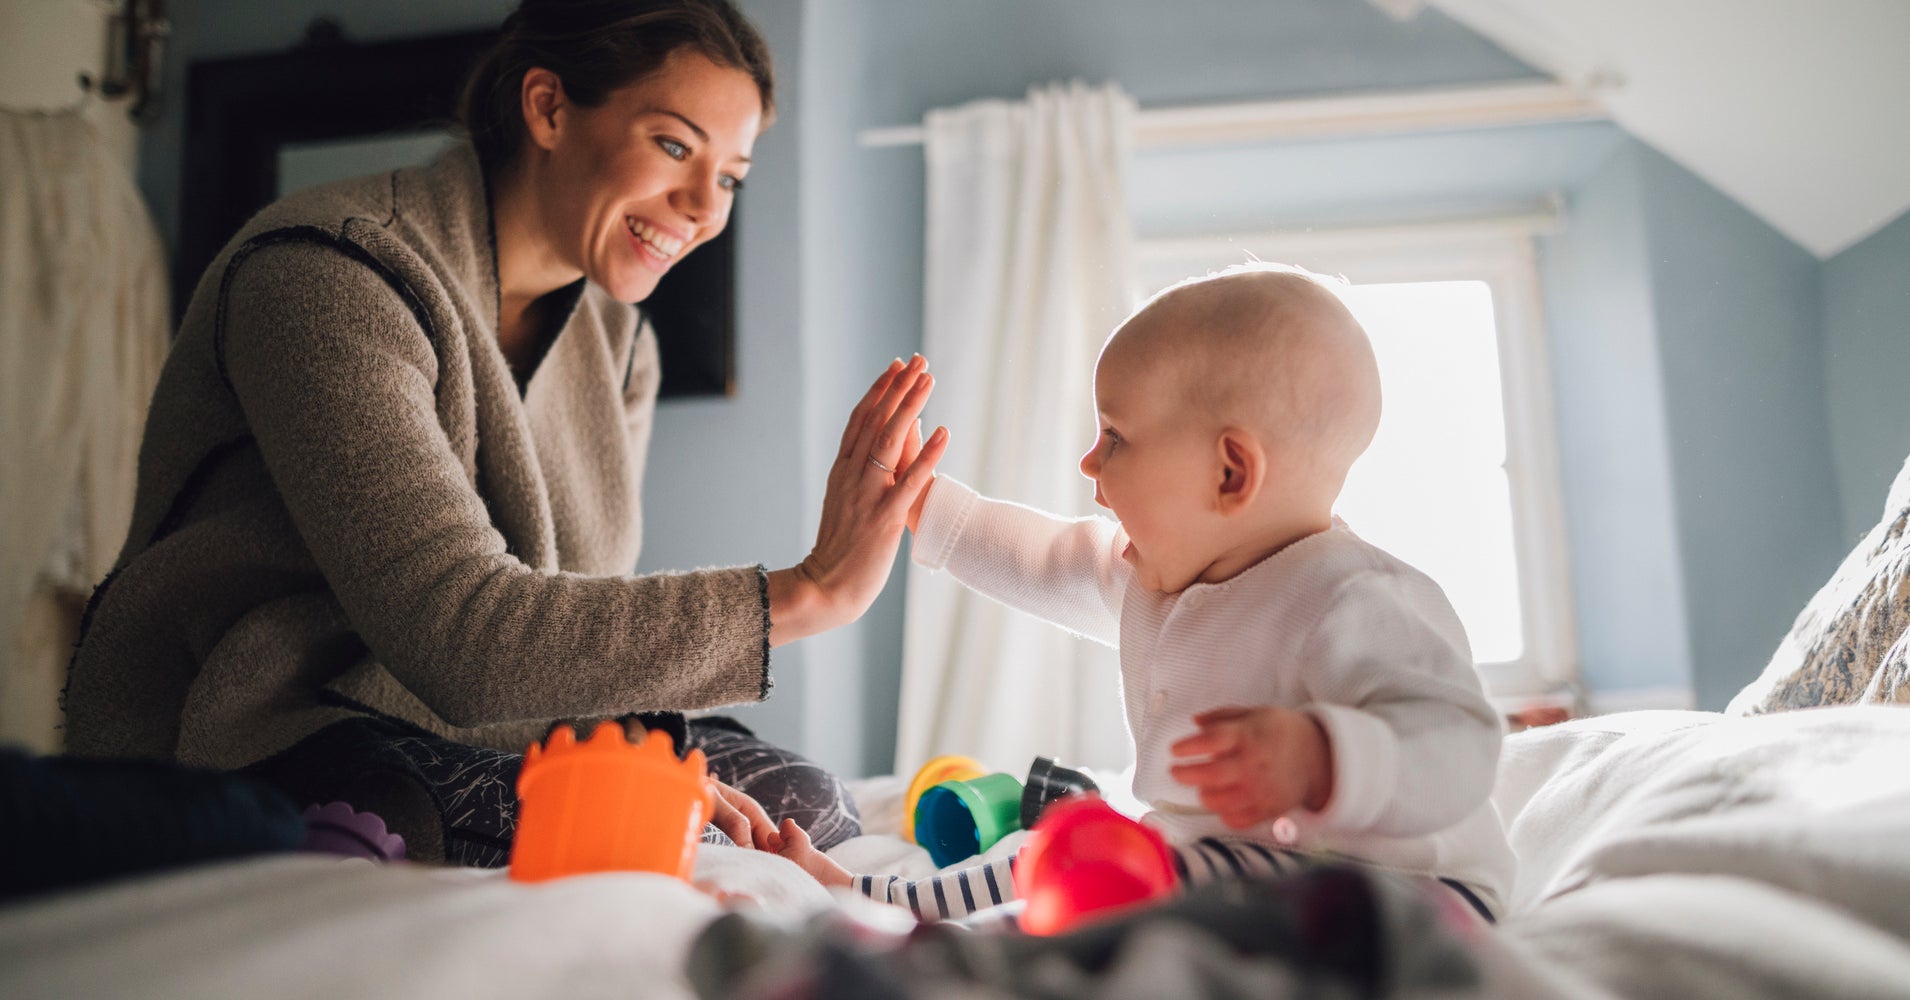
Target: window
column 1462, row 479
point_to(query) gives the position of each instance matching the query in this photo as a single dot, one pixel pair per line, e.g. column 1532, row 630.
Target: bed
column 1759, row 853
column 1663, row 853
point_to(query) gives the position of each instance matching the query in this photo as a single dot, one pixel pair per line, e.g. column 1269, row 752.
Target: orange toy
column 609, row 805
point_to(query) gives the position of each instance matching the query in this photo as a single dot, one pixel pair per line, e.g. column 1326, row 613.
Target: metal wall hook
column 135, row 42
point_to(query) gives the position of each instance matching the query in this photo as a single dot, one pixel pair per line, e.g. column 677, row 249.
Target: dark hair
column 595, row 47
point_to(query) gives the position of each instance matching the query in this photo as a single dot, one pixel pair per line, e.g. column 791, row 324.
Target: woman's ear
column 1243, row 469
column 543, row 103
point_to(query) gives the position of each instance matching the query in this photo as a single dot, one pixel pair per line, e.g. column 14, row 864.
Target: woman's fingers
column 892, row 439
column 728, row 818
column 911, row 445
column 754, row 820
column 876, row 420
column 852, row 430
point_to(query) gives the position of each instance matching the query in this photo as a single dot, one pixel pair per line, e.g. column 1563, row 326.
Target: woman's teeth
column 665, row 245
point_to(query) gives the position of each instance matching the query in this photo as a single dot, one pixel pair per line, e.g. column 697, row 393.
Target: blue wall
column 1867, row 358
column 1615, row 462
column 1738, row 310
column 1703, row 510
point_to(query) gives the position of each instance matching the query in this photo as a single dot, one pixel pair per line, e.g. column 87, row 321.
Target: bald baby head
column 1267, row 348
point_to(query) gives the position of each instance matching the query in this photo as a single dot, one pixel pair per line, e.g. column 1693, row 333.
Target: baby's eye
column 674, row 149
column 1114, row 437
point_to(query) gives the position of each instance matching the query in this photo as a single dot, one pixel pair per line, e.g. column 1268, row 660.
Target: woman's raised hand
column 877, row 478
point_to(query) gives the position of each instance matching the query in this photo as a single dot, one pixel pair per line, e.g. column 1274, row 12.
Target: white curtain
column 83, row 333
column 1029, row 263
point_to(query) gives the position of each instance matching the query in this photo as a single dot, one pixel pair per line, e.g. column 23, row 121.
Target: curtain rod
column 1370, row 113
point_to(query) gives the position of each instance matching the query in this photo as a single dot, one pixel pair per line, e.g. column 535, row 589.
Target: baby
column 1230, row 410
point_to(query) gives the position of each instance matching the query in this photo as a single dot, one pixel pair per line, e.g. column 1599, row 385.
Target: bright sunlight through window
column 1432, row 489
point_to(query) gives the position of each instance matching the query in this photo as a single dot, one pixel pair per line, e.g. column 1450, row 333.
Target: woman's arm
column 339, row 383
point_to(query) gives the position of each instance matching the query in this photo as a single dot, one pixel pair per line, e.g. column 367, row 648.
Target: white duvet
column 1663, row 854
column 1685, row 854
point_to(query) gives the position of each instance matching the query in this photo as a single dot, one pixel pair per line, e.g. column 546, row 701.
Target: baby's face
column 1152, row 468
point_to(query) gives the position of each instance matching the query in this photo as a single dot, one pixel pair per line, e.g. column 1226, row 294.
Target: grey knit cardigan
column 346, row 507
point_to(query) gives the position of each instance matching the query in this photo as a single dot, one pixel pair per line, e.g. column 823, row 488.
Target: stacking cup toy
column 609, row 805
column 1086, row 861
column 1049, row 783
column 960, row 819
column 948, row 767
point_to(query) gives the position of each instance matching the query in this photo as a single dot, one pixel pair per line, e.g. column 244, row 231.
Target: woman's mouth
column 654, row 246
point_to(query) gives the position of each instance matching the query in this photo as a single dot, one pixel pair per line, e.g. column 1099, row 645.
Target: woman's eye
column 674, row 149
column 730, row 182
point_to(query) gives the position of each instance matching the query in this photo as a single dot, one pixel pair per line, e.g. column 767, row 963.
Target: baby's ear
column 1243, row 469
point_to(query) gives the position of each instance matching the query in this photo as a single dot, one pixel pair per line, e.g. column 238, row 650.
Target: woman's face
column 649, row 175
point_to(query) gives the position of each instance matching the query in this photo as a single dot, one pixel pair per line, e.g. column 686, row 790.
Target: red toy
column 1085, row 861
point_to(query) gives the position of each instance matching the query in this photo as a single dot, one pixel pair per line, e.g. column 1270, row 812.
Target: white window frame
column 1499, row 252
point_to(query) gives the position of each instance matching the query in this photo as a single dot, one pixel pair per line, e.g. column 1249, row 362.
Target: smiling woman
column 600, row 173
column 617, row 192
column 390, row 496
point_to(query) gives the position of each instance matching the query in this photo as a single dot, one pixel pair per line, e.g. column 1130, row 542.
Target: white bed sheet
column 1666, row 854
column 1694, row 855
column 320, row 927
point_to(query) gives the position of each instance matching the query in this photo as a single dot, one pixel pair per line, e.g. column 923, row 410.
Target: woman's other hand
column 741, row 818
column 874, row 485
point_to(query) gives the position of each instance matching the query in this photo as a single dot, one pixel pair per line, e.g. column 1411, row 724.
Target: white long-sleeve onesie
column 1330, row 625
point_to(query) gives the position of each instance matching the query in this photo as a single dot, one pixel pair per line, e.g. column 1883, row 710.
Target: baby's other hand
column 1259, row 763
column 792, row 842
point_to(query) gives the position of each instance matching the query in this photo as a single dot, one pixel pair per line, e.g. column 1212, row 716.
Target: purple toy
column 337, row 828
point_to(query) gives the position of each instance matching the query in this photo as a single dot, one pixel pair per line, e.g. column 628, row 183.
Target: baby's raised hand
column 912, row 447
column 1254, row 765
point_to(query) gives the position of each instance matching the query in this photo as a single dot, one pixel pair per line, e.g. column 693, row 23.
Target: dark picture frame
column 241, row 112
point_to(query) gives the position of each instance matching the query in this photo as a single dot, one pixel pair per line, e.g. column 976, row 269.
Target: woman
column 388, row 496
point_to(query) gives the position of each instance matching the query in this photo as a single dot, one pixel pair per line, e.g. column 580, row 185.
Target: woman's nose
column 701, row 199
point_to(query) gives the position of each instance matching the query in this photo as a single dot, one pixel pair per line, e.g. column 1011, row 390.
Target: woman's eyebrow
column 694, row 127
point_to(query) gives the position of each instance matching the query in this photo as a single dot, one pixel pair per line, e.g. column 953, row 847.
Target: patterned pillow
column 1891, row 682
column 1849, row 644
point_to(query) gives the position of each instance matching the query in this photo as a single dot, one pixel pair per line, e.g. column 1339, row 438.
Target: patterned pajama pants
column 473, row 790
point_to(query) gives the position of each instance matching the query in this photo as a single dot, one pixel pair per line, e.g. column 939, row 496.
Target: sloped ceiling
column 1796, row 109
